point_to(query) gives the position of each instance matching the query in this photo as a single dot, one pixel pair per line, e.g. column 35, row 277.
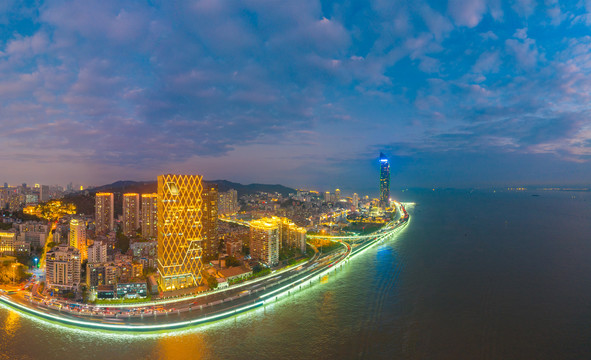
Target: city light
column 265, row 298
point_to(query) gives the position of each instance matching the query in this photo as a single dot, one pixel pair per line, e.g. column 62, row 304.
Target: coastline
column 277, row 291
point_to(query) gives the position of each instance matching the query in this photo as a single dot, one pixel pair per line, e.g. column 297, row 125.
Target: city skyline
column 492, row 93
column 309, row 179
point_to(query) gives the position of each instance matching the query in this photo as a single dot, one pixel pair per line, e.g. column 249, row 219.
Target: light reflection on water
column 316, row 309
column 473, row 276
column 312, row 306
column 11, row 325
column 175, row 347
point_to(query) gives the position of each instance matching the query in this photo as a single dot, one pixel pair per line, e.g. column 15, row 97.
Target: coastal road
column 182, row 312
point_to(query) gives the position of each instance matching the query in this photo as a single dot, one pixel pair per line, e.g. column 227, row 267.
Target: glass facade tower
column 384, row 181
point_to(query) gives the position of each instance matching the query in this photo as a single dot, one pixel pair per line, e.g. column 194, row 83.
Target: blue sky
column 304, row 93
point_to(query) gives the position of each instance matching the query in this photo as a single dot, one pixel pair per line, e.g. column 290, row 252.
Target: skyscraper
column 384, row 181
column 78, row 237
column 184, row 229
column 149, row 215
column 270, row 234
column 228, row 202
column 131, row 213
column 209, row 220
column 103, row 212
column 264, row 241
column 44, row 193
column 355, row 201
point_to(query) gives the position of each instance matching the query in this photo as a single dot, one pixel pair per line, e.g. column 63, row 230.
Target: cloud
column 524, row 8
column 438, row 24
column 487, row 62
column 467, row 12
column 555, row 13
column 140, row 86
column 489, row 35
column 27, row 46
column 524, row 49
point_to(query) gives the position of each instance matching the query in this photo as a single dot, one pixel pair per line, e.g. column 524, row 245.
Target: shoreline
column 276, row 292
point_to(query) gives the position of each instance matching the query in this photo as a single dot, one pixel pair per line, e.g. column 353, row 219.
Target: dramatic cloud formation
column 302, row 92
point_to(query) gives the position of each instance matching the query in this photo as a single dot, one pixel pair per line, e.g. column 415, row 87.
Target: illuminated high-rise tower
column 149, row 215
column 265, row 239
column 228, row 202
column 103, row 212
column 355, row 201
column 78, row 237
column 184, row 229
column 209, row 220
column 131, row 213
column 384, row 181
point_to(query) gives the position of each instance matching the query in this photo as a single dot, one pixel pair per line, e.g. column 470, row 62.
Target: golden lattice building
column 186, row 229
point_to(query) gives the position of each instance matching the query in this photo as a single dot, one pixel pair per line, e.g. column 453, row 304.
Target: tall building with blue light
column 384, row 181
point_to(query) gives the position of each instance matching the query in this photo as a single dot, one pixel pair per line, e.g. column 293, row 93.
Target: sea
column 476, row 274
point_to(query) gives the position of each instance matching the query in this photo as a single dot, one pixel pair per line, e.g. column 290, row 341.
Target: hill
column 144, row 187
column 84, row 200
column 225, row 185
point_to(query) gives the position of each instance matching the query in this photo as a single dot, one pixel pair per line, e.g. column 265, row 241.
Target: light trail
column 263, row 299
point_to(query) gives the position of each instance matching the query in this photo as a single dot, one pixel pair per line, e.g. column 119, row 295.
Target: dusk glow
column 303, row 93
column 295, row 179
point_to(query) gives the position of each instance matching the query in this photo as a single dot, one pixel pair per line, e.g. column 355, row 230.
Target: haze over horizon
column 303, row 94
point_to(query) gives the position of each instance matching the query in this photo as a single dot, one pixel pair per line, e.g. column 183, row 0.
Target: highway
column 212, row 306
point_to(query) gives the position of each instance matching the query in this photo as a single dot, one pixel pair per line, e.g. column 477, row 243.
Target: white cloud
column 525, row 52
column 524, row 7
column 467, row 12
column 488, row 62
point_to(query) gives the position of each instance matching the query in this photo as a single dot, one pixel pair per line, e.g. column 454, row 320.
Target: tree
column 122, row 242
column 8, row 273
column 149, row 271
column 24, row 259
column 257, row 268
column 212, row 282
column 232, row 261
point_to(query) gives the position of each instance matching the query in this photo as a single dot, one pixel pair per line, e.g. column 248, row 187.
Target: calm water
column 474, row 276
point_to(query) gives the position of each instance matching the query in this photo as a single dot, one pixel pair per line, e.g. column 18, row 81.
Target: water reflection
column 189, row 346
column 11, row 325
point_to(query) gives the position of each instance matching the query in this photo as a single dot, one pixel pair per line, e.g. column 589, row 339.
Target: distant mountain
column 225, row 185
column 143, row 187
column 127, row 186
column 84, row 200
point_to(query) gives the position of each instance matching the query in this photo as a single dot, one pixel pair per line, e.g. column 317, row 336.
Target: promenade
column 203, row 308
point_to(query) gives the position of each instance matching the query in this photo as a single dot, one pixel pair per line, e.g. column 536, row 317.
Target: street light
column 14, row 274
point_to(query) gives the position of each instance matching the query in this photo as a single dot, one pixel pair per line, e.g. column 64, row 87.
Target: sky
column 303, row 93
